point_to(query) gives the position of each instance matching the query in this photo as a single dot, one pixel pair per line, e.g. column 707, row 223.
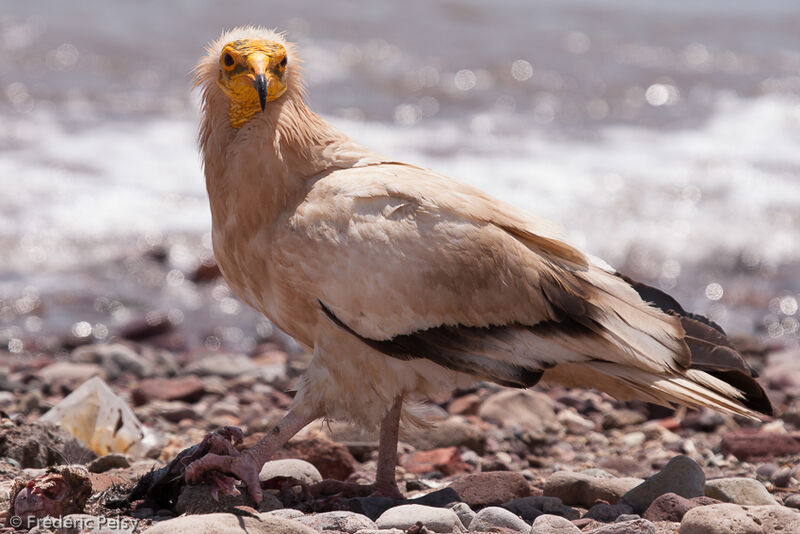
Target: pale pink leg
column 247, row 465
column 385, row 484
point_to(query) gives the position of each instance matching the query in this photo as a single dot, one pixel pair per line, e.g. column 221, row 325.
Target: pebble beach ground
column 495, row 460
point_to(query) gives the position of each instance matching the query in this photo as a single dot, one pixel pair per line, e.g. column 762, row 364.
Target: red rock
column 187, row 388
column 672, row 507
column 152, row 324
column 491, row 488
column 332, row 459
column 446, row 460
column 466, row 405
column 750, row 444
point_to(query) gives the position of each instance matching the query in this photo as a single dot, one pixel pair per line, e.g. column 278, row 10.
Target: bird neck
column 268, row 164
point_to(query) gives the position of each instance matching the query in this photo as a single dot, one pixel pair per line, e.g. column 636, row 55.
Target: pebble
column 622, row 418
column 150, row 325
column 728, row 518
column 447, row 461
column 223, row 365
column 405, row 516
column 374, row 507
column 553, row 524
column 300, row 470
column 519, row 407
column 347, row 522
column 230, row 524
column 69, row 375
column 39, row 445
column 782, row 478
column 576, row 489
column 632, row 439
column 450, row 433
column 681, row 476
column 109, row 461
column 636, row 526
column 574, row 423
column 491, row 488
column 332, row 459
column 184, row 388
column 748, row 445
column 529, row 508
column 114, row 358
column 607, row 513
column 739, row 490
column 672, row 507
column 792, row 501
column 493, row 517
column 464, row 513
column 287, row 513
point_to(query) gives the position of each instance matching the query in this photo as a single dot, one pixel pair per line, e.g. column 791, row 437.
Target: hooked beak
column 262, row 86
column 258, row 62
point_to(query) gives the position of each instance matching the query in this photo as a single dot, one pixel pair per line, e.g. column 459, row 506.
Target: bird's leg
column 385, row 484
column 247, row 465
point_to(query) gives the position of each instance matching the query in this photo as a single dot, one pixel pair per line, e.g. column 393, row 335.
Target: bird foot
column 222, row 460
column 352, row 489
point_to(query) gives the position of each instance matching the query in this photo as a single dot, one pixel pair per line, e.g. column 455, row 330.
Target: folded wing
column 416, row 265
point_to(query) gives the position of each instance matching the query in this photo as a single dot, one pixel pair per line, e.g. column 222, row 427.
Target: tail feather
column 712, row 352
column 716, row 375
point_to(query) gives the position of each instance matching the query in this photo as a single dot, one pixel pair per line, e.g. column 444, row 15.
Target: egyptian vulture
column 405, row 283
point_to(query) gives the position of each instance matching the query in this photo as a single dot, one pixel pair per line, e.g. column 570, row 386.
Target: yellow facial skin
column 251, row 73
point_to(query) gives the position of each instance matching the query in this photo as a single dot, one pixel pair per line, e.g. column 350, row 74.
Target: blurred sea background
column 664, row 137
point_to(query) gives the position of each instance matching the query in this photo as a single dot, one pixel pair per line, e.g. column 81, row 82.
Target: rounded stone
column 636, row 526
column 553, row 524
column 491, row 488
column 719, row 519
column 405, row 516
column 739, row 490
column 300, row 470
column 348, row 522
column 494, row 517
column 229, row 524
column 529, row 409
column 681, row 476
column 577, row 489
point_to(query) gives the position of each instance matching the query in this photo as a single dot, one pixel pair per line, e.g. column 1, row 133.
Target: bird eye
column 227, row 59
column 283, row 61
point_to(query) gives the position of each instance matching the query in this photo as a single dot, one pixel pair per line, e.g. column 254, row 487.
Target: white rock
column 434, row 519
column 229, row 524
column 633, row 439
column 286, row 513
column 464, row 513
column 494, row 516
column 739, row 490
column 574, row 422
column 553, row 524
column 340, row 521
column 730, row 518
column 529, row 409
column 300, row 470
column 724, row 518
